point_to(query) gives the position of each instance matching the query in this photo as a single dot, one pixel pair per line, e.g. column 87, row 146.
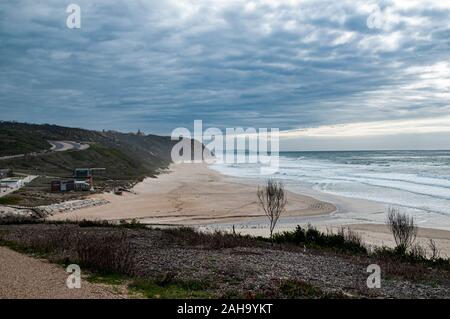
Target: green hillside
column 14, row 141
column 124, row 155
column 127, row 157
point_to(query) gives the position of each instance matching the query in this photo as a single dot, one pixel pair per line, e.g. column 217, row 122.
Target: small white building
column 10, row 183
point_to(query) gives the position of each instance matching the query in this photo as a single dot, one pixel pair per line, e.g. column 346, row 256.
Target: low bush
column 416, row 255
column 174, row 289
column 10, row 200
column 131, row 224
column 108, row 252
column 214, row 240
column 344, row 240
column 104, row 251
column 403, row 228
column 294, row 289
column 11, row 219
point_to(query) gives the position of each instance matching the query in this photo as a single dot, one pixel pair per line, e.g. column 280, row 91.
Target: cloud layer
column 157, row 65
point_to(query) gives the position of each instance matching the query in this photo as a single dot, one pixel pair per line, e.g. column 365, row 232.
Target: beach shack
column 63, row 186
column 82, row 181
column 84, row 176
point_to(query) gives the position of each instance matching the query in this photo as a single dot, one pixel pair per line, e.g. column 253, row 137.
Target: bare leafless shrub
column 102, row 250
column 435, row 252
column 418, row 252
column 350, row 236
column 272, row 198
column 403, row 229
column 53, row 242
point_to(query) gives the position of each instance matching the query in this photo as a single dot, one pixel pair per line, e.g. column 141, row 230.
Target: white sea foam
column 419, row 181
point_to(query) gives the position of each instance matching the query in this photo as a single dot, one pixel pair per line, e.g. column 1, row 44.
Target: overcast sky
column 331, row 74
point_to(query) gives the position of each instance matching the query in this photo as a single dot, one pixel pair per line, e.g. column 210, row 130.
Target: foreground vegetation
column 110, row 258
column 184, row 263
column 347, row 241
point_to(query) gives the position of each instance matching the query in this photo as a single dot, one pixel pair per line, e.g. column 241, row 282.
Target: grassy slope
column 118, row 164
column 15, row 142
column 126, row 157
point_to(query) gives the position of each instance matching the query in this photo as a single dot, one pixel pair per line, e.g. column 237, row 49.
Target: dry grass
column 100, row 249
column 215, row 240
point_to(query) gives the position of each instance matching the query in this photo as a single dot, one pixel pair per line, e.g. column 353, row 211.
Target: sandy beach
column 377, row 234
column 191, row 194
column 194, row 195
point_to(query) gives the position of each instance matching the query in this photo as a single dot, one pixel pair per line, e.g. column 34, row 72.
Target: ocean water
column 416, row 181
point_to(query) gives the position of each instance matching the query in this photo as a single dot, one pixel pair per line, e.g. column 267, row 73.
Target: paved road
column 26, row 277
column 61, row 146
column 57, row 146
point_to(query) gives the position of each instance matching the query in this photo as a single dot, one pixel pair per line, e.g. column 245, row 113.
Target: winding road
column 57, row 146
column 61, row 146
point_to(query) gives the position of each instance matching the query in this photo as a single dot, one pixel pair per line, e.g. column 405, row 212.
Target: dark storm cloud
column 156, row 65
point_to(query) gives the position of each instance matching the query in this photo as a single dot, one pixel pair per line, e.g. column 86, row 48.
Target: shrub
column 105, row 251
column 175, row 289
column 344, row 240
column 435, row 252
column 11, row 219
column 403, row 229
column 10, row 200
column 94, row 223
column 108, row 252
column 52, row 242
column 214, row 240
column 272, row 198
column 417, row 252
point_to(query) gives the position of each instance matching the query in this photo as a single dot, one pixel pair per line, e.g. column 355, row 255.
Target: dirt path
column 26, row 277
